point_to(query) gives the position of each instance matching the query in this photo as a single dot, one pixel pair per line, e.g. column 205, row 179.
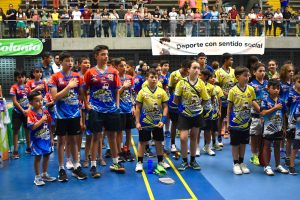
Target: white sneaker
column 164, row 164
column 208, row 150
column 220, row 144
column 198, row 152
column 69, row 165
column 216, row 147
column 244, row 168
column 268, row 170
column 139, row 167
column 237, row 169
column 173, row 148
column 281, row 169
column 38, row 181
column 152, row 143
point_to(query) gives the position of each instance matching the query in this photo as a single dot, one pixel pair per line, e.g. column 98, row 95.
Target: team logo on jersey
column 159, row 96
column 110, row 77
column 248, row 95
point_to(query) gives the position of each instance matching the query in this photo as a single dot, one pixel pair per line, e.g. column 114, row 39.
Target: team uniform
column 47, row 99
column 68, row 107
column 207, row 109
column 151, row 113
column 240, row 115
column 273, row 122
column 102, row 86
column 261, row 92
column 20, row 92
column 126, row 104
column 33, row 84
column 175, row 77
column 146, row 84
column 40, row 140
column 296, row 140
column 293, row 102
column 190, row 108
column 285, row 89
column 138, row 83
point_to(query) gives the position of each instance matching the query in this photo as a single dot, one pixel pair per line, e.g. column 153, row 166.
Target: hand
column 278, row 106
column 52, row 142
column 89, row 107
column 138, row 126
column 160, row 125
column 73, row 83
column 127, row 84
column 82, row 126
column 44, row 118
column 219, row 114
column 25, row 112
column 133, row 110
column 40, row 87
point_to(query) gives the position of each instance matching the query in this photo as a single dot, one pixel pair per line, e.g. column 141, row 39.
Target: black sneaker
column 94, row 172
column 121, row 157
column 149, row 153
column 62, row 176
column 28, row 151
column 130, row 157
column 195, row 165
column 79, row 174
column 108, row 153
column 15, row 155
column 292, row 171
column 287, row 161
column 183, row 166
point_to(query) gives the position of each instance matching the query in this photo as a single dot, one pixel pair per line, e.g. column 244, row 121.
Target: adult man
column 233, row 14
column 45, row 65
column 56, row 65
column 11, row 16
column 121, row 23
column 201, row 58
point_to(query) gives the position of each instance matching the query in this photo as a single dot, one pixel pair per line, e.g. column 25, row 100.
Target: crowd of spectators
column 79, row 18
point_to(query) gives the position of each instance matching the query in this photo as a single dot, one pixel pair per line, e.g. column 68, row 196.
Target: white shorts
column 256, row 127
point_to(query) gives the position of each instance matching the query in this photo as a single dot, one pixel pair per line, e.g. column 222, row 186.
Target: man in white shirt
column 56, row 65
column 76, row 14
column 173, row 22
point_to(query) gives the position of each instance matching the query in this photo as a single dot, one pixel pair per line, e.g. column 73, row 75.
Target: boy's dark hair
column 240, row 70
column 81, row 59
column 251, row 62
column 19, row 73
column 206, row 73
column 296, row 77
column 162, row 62
column 99, row 48
column 33, row 94
column 215, row 65
column 226, row 56
column 201, row 54
column 119, row 60
column 274, row 83
column 165, row 39
column 187, row 63
column 256, row 66
column 151, row 72
column 63, row 55
column 154, row 65
column 46, row 54
column 35, row 68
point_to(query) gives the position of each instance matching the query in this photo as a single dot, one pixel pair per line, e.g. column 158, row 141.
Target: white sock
column 93, row 163
column 115, row 160
column 61, row 167
column 76, row 165
column 37, row 176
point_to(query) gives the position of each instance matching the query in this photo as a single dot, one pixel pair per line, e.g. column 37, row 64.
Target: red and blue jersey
column 68, row 106
column 40, row 140
column 48, row 99
column 21, row 92
column 164, row 81
column 126, row 95
column 102, row 86
column 32, row 83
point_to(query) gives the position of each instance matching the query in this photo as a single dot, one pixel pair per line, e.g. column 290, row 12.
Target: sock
column 76, row 165
column 37, row 176
column 160, row 158
column 61, row 167
column 241, row 160
column 185, row 159
column 140, row 159
column 93, row 163
column 172, row 141
column 44, row 174
column 122, row 145
column 115, row 160
column 214, row 141
column 235, row 162
column 68, row 159
column 192, row 158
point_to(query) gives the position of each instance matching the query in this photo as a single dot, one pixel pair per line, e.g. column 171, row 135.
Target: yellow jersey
column 226, row 80
column 146, row 84
column 208, row 105
column 174, row 78
column 218, row 94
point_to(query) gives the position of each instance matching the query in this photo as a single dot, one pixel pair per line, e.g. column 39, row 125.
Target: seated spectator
column 64, row 3
column 56, row 4
column 192, row 5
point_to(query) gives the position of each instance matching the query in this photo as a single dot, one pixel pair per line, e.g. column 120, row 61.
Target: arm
column 256, row 106
column 19, row 107
column 229, row 109
column 40, row 122
column 59, row 95
column 164, row 117
column 276, row 107
column 138, row 115
column 117, row 92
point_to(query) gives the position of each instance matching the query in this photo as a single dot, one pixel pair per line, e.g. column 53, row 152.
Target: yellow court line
column 149, row 190
column 187, row 187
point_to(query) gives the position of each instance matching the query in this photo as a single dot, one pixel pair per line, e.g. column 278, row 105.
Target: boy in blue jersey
column 273, row 109
column 151, row 116
column 256, row 128
column 240, row 100
column 39, row 122
column 65, row 87
column 296, row 142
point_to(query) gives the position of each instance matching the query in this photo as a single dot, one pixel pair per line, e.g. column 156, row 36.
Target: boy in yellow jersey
column 225, row 78
column 151, row 116
column 190, row 96
column 175, row 77
column 240, row 99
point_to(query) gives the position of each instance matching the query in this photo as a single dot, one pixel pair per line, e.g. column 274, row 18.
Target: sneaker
column 164, row 165
column 195, row 165
column 94, row 172
column 183, row 166
column 220, row 144
column 117, row 167
column 79, row 174
column 130, row 157
column 287, row 161
column 104, row 146
column 244, row 168
column 85, row 164
column 268, row 170
column 254, row 160
column 121, row 157
column 217, row 147
column 198, row 152
column 149, row 153
column 15, row 155
column 139, row 167
column 62, row 176
column 237, row 169
column 292, row 171
column 280, row 169
column 152, row 142
column 167, row 134
column 38, row 181
column 282, row 154
column 107, row 154
column 102, row 162
column 28, row 151
column 208, row 150
column 69, row 165
column 173, row 148
column 226, row 135
column 48, row 178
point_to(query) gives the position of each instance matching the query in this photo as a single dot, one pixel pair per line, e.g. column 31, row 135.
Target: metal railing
column 65, row 28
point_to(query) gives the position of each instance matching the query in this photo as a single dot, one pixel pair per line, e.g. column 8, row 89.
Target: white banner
column 207, row 45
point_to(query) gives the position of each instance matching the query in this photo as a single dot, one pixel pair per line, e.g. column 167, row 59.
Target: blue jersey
column 285, row 88
column 164, row 81
column 292, row 103
column 138, row 82
column 126, row 95
column 296, row 115
column 261, row 91
column 273, row 122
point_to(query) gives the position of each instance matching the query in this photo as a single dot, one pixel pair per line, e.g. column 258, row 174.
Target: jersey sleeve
column 53, row 81
column 46, row 86
column 230, row 95
column 219, row 92
column 217, row 73
column 30, row 119
column 178, row 89
column 253, row 95
column 28, row 83
column 13, row 91
column 140, row 97
column 118, row 81
column 203, row 92
column 171, row 81
column 264, row 105
column 165, row 97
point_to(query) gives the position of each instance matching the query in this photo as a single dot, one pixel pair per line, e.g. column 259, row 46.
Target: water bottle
column 150, row 167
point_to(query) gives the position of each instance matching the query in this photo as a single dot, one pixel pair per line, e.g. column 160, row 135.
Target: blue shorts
column 41, row 147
